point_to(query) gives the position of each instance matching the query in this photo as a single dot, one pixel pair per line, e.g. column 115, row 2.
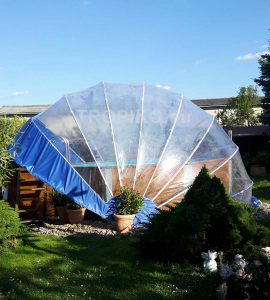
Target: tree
column 239, row 111
column 264, row 82
column 207, row 218
column 9, row 127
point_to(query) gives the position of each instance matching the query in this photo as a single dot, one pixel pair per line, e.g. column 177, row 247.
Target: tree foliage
column 239, row 111
column 264, row 82
column 10, row 226
column 206, row 219
column 9, row 127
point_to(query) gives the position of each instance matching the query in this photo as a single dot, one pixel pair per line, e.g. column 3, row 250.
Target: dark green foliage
column 207, row 219
column 264, row 82
column 130, row 202
column 9, row 127
column 62, row 200
column 72, row 205
column 10, row 226
column 57, row 198
column 261, row 188
column 262, row 237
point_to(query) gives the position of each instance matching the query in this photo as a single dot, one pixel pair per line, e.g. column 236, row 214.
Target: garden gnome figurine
column 239, row 262
column 209, row 264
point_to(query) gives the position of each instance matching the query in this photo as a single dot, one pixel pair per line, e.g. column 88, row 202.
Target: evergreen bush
column 10, row 226
column 206, row 219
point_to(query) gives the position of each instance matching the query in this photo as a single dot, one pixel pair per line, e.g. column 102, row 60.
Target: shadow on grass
column 95, row 268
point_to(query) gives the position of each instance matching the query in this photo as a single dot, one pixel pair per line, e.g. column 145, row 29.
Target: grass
column 261, row 188
column 46, row 267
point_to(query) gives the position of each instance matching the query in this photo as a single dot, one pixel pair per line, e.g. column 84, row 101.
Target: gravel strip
column 95, row 228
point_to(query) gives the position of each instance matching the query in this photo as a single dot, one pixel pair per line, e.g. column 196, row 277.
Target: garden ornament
column 255, row 202
column 225, row 272
column 239, row 262
column 265, row 252
column 209, row 264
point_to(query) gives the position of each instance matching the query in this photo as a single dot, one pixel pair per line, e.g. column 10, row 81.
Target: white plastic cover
column 144, row 137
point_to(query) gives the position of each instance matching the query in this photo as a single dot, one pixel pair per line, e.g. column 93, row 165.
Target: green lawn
column 261, row 188
column 46, row 267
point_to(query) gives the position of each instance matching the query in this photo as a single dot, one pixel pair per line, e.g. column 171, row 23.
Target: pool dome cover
column 90, row 143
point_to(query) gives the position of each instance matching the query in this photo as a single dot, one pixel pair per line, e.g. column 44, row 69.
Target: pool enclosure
column 90, row 143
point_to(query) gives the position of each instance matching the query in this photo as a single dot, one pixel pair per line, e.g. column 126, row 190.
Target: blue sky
column 204, row 49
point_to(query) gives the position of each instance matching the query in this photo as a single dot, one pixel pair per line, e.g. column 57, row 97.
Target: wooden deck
column 29, row 196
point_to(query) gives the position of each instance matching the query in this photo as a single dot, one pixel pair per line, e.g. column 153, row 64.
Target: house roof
column 32, row 110
column 22, row 110
column 211, row 103
column 214, row 103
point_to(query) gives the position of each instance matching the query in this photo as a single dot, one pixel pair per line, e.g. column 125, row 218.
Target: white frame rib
column 33, row 122
column 110, row 120
column 243, row 190
column 228, row 159
column 90, row 149
column 140, row 134
column 182, row 192
column 188, row 158
column 166, row 144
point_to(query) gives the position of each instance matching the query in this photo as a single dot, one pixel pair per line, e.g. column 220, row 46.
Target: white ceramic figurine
column 209, row 264
column 239, row 262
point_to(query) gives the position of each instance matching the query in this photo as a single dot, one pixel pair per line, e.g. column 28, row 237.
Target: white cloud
column 15, row 94
column 166, row 87
column 251, row 56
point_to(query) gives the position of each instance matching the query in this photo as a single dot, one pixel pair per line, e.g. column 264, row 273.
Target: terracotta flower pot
column 123, row 222
column 76, row 216
column 62, row 213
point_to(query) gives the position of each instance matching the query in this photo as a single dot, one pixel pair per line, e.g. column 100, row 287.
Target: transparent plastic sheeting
column 140, row 136
column 222, row 150
column 191, row 125
column 241, row 187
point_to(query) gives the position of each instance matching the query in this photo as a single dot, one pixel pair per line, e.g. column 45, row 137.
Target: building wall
column 214, row 112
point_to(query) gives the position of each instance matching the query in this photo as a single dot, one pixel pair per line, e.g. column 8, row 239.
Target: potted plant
column 75, row 212
column 128, row 204
column 59, row 202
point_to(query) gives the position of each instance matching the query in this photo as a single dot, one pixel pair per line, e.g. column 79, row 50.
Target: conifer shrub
column 10, row 226
column 207, row 219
